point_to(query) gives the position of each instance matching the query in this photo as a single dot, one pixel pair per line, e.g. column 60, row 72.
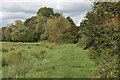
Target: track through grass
column 46, row 60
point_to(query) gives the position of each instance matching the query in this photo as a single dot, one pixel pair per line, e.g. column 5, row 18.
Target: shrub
column 66, row 38
column 56, row 27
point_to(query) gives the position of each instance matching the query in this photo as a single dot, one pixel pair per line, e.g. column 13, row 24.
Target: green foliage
column 70, row 20
column 22, row 34
column 82, row 41
column 102, row 26
column 6, row 33
column 56, row 15
column 31, row 22
column 65, row 38
column 46, row 12
column 56, row 27
column 46, row 60
column 99, row 32
column 18, row 23
column 40, row 28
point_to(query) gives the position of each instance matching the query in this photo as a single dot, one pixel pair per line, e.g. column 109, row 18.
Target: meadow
column 45, row 60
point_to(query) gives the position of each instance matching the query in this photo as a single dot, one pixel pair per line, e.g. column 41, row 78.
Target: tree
column 21, row 33
column 103, row 40
column 46, row 25
column 46, row 12
column 57, row 14
column 40, row 27
column 31, row 22
column 18, row 23
column 56, row 27
column 6, row 33
column 70, row 20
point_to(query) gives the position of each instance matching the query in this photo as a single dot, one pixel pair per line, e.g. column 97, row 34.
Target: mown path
column 48, row 61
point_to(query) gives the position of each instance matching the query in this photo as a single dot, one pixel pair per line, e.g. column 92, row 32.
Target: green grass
column 46, row 60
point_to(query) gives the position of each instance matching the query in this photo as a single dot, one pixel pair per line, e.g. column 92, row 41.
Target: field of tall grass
column 45, row 60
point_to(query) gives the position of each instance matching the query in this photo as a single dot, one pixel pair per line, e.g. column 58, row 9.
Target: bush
column 101, row 24
column 65, row 38
column 57, row 29
column 82, row 41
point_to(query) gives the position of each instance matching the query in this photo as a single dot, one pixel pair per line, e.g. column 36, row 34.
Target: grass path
column 48, row 61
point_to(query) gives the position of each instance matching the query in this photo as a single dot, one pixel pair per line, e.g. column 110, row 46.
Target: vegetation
column 45, row 60
column 47, row 56
column 40, row 28
column 101, row 27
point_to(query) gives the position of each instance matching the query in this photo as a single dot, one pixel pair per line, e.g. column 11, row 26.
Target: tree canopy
column 42, row 26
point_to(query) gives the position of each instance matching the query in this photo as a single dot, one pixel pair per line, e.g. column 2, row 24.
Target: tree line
column 46, row 25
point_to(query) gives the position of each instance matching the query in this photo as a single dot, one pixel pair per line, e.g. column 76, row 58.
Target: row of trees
column 46, row 25
column 101, row 27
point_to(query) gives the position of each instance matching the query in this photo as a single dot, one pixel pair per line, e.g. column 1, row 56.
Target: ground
column 45, row 60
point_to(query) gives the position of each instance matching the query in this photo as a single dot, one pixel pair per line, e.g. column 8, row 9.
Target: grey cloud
column 16, row 15
column 13, row 10
column 74, row 7
column 19, row 7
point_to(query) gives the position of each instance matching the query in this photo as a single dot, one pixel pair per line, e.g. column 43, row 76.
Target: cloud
column 15, row 15
column 22, row 9
column 43, row 0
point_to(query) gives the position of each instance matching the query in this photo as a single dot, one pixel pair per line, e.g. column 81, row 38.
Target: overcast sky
column 10, row 10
